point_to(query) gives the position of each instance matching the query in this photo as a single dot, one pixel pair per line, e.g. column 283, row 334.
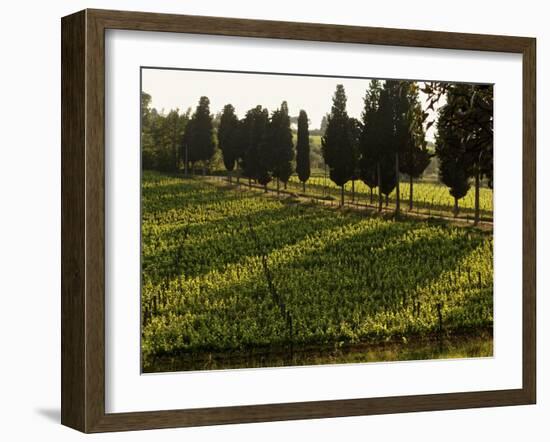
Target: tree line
column 260, row 144
column 385, row 144
column 161, row 136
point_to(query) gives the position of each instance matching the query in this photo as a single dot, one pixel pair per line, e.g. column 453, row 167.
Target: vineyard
column 428, row 198
column 229, row 275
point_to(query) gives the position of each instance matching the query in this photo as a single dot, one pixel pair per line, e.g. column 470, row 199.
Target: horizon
column 312, row 93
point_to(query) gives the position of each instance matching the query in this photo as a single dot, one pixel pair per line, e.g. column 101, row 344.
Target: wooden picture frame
column 83, row 217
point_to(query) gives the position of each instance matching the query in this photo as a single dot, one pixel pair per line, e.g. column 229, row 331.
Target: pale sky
column 180, row 89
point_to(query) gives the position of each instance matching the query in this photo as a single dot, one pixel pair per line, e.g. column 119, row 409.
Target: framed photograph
column 267, row 220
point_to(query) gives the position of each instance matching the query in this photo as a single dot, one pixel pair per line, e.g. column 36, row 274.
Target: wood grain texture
column 144, row 21
column 83, row 218
column 73, row 255
column 95, row 222
column 308, row 410
column 529, row 220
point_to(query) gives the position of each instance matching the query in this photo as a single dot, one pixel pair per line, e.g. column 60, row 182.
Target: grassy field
column 428, row 197
column 233, row 278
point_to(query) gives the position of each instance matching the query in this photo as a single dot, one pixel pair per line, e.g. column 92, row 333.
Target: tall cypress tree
column 387, row 179
column 369, row 142
column 337, row 143
column 302, row 149
column 414, row 156
column 451, row 153
column 397, row 137
column 256, row 156
column 279, row 144
column 228, row 138
column 401, row 126
column 248, row 154
column 199, row 134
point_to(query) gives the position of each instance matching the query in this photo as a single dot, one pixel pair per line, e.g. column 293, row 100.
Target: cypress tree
column 228, row 138
column 414, row 156
column 450, row 151
column 397, row 133
column 279, row 145
column 401, row 128
column 199, row 134
column 302, row 149
column 337, row 143
column 256, row 155
column 369, row 143
column 387, row 179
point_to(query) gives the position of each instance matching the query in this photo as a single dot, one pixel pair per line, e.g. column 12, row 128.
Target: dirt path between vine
column 371, row 210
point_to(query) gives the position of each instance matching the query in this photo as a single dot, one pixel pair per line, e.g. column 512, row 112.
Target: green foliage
column 161, row 136
column 470, row 115
column 466, row 126
column 302, row 148
column 355, row 128
column 453, row 168
column 430, row 197
column 465, row 138
column 228, row 137
column 414, row 156
column 387, row 138
column 369, row 143
column 256, row 159
column 198, row 141
column 279, row 144
column 205, row 288
column 324, row 124
column 388, row 141
column 338, row 141
column 393, row 137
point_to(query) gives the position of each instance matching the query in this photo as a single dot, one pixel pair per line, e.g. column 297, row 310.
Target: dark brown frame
column 83, row 215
